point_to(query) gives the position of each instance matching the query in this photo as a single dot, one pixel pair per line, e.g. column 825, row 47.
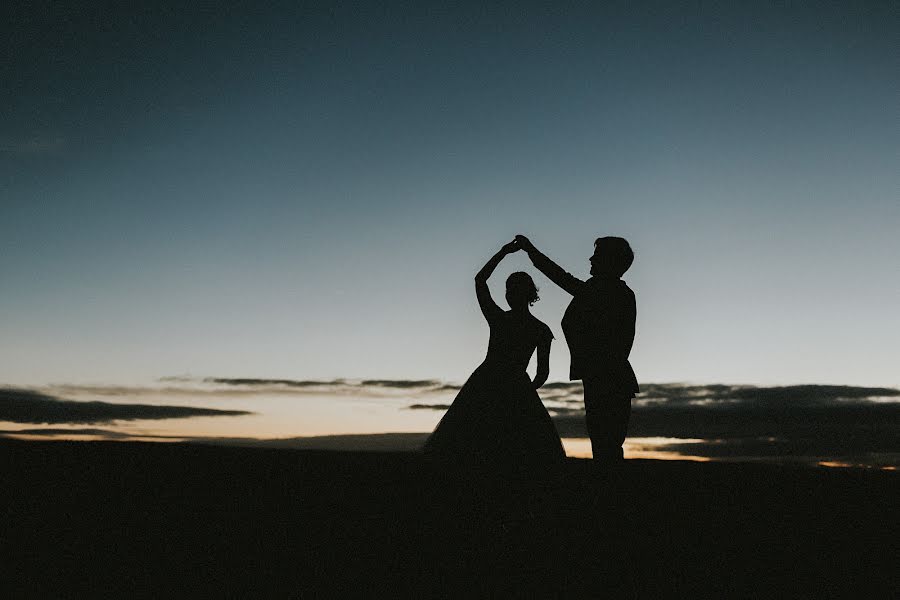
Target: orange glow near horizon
column 635, row 448
column 836, row 464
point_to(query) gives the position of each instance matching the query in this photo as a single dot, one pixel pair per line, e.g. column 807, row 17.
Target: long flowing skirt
column 497, row 419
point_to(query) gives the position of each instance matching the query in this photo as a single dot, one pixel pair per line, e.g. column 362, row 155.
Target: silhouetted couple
column 497, row 419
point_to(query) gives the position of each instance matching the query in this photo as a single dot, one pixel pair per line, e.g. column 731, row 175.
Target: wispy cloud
column 54, row 432
column 218, row 387
column 730, row 396
column 734, row 421
column 334, row 384
column 741, row 421
column 558, row 394
column 402, row 383
column 780, row 421
column 57, row 433
column 722, row 397
column 29, row 406
column 182, row 385
column 258, row 383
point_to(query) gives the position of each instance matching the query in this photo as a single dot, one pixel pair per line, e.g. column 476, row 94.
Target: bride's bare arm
column 543, row 363
column 488, row 307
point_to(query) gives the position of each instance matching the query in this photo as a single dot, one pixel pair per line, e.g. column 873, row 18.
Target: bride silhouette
column 497, row 418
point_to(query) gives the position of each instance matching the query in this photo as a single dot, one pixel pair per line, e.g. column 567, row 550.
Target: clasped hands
column 519, row 243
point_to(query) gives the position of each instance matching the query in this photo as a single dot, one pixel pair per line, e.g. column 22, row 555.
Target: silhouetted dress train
column 497, row 417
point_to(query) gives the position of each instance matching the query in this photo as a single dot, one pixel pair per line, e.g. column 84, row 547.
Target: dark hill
column 109, row 519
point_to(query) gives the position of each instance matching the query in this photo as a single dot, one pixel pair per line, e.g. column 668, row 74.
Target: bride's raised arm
column 489, row 308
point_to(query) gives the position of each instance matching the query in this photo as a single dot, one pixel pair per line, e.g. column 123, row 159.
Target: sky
column 307, row 190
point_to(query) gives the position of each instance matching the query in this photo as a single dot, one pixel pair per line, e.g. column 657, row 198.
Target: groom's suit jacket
column 598, row 325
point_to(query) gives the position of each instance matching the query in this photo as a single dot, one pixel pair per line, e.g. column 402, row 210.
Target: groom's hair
column 614, row 254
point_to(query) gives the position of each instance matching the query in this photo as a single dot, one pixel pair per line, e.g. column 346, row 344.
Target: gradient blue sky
column 307, row 191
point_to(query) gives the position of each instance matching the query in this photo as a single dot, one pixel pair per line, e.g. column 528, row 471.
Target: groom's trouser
column 606, row 415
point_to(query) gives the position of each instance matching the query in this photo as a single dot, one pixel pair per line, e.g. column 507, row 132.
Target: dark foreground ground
column 124, row 520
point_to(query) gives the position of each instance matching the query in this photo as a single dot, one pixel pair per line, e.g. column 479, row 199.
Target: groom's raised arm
column 553, row 271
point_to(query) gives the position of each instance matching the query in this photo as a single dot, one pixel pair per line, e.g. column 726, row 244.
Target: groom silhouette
column 599, row 329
